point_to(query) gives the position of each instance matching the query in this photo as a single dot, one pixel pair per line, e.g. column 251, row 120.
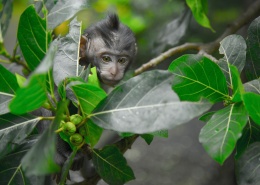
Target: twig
column 167, row 54
column 208, row 48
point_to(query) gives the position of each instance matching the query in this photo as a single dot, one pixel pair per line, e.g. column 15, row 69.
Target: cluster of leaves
column 192, row 84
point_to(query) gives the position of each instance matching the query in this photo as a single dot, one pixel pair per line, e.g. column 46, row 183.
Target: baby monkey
column 110, row 46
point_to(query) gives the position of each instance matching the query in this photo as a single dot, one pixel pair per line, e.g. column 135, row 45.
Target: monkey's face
column 111, row 67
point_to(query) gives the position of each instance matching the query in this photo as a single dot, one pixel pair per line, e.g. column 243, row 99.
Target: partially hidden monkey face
column 112, row 66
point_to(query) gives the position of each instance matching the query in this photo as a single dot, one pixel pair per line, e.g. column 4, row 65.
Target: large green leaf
column 11, row 171
column 238, row 88
column 61, row 11
column 67, row 57
column 13, row 130
column 33, row 37
column 251, row 134
column 233, row 47
column 39, row 160
column 5, row 14
column 247, row 166
column 199, row 11
column 34, row 94
column 88, row 96
column 253, row 86
column 197, row 76
column 220, row 134
column 111, row 165
column 252, row 104
column 144, row 104
column 252, row 67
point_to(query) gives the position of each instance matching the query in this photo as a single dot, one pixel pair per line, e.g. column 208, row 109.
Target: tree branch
column 208, row 48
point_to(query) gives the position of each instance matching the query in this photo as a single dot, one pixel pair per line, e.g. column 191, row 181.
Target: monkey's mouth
column 110, row 82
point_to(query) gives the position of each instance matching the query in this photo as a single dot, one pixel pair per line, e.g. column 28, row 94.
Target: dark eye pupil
column 106, row 58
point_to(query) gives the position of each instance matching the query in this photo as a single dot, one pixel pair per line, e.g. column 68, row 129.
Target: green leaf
column 199, row 10
column 253, row 86
column 8, row 81
column 33, row 37
column 233, row 47
column 220, row 134
column 67, row 57
column 112, row 166
column 148, row 138
column 64, row 10
column 137, row 106
column 252, row 68
column 247, row 166
column 5, row 15
column 39, row 160
column 88, row 96
column 66, row 167
column 13, row 130
column 252, row 104
column 11, row 171
column 238, row 88
column 251, row 134
column 5, row 99
column 34, row 94
column 20, row 79
column 197, row 76
column 206, row 117
column 94, row 133
column 160, row 133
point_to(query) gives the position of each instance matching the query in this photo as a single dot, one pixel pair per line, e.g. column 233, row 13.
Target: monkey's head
column 111, row 47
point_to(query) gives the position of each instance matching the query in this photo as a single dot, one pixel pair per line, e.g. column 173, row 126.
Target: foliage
column 147, row 105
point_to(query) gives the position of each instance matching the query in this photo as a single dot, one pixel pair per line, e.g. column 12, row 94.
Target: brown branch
column 167, row 54
column 208, row 48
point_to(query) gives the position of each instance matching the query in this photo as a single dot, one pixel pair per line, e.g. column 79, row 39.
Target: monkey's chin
column 110, row 82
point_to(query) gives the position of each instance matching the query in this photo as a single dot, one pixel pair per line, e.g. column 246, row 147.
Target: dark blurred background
column 180, row 158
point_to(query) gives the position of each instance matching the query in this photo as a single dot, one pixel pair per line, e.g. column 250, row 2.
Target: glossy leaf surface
column 233, row 47
column 39, row 160
column 67, row 56
column 220, row 134
column 34, row 94
column 145, row 104
column 13, row 130
column 112, row 166
column 198, row 77
column 247, row 167
column 33, row 37
column 11, row 171
column 252, row 104
column 252, row 67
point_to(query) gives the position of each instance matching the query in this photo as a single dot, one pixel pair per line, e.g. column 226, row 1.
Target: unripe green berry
column 76, row 139
column 76, row 119
column 82, row 130
column 69, row 128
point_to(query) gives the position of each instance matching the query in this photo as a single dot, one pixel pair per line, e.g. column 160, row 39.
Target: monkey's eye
column 106, row 58
column 122, row 60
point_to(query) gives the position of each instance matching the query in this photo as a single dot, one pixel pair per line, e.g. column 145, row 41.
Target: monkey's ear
column 83, row 46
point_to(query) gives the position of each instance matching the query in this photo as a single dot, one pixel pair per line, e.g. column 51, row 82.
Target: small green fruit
column 82, row 130
column 76, row 119
column 69, row 128
column 76, row 139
